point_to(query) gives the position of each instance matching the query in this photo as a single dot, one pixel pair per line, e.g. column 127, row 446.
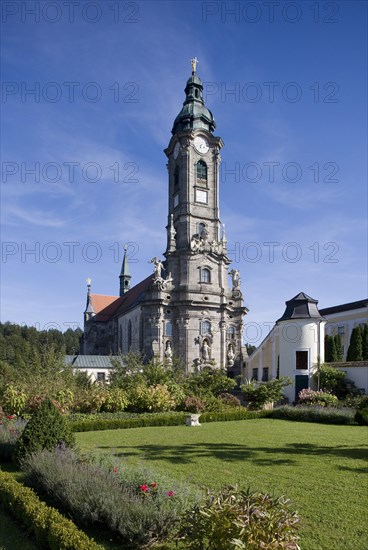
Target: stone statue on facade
column 235, row 276
column 168, row 353
column 206, row 351
column 230, row 356
column 158, row 267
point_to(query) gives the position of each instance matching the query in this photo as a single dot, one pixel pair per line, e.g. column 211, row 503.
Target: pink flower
column 115, row 470
column 170, row 493
column 154, row 485
column 144, row 488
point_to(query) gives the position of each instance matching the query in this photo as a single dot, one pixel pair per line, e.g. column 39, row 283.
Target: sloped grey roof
column 91, row 361
column 301, row 306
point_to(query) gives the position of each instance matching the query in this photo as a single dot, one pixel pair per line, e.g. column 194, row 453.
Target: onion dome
column 194, row 114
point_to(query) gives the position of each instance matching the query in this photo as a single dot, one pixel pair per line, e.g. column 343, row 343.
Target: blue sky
column 288, row 91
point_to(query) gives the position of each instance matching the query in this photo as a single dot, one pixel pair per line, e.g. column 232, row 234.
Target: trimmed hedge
column 51, row 530
column 322, row 415
column 168, row 419
column 141, row 421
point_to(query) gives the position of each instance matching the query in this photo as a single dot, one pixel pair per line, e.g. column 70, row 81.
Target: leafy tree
column 209, row 382
column 338, row 348
column 365, row 342
column 46, row 430
column 355, row 350
column 250, row 349
column 330, row 349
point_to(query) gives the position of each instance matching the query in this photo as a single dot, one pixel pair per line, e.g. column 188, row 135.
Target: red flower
column 154, row 485
column 10, row 416
column 170, row 493
column 144, row 488
column 115, row 470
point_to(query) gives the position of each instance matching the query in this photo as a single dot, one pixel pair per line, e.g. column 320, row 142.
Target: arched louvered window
column 202, row 171
column 176, row 176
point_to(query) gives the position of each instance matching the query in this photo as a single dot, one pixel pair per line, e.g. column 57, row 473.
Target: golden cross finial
column 194, row 62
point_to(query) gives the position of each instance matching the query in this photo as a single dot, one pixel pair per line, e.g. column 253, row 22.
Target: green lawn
column 319, row 467
column 11, row 535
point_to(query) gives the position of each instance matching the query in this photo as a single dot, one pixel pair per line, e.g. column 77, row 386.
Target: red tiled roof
column 100, row 301
column 115, row 305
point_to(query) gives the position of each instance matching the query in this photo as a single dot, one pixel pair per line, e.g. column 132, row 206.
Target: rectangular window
column 341, row 330
column 176, row 200
column 101, row 377
column 301, row 360
column 265, row 375
column 255, row 374
column 201, row 196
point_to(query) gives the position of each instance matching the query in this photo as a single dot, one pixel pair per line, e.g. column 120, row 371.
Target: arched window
column 176, row 176
column 168, row 328
column 129, row 335
column 205, row 275
column 231, row 333
column 202, row 171
column 205, row 327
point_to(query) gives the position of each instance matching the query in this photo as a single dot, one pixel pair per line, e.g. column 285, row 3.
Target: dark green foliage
column 139, row 505
column 208, row 382
column 365, row 343
column 250, row 349
column 332, row 380
column 355, row 350
column 235, row 519
column 338, row 348
column 46, row 429
column 50, row 529
column 322, row 415
column 361, row 417
column 330, row 349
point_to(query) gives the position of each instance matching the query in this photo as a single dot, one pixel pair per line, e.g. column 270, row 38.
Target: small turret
column 124, row 274
column 89, row 312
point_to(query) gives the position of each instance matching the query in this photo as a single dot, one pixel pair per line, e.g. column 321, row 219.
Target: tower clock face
column 201, row 144
column 176, row 150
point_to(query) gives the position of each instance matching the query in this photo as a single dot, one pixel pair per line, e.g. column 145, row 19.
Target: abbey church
column 191, row 305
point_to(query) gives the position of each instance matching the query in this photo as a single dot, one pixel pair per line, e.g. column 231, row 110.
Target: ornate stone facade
column 186, row 308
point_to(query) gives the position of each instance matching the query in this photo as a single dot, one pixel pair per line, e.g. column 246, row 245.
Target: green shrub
column 46, row 429
column 322, row 415
column 230, row 400
column 260, row 393
column 116, row 400
column 234, row 519
column 228, row 416
column 361, row 417
column 131, row 501
column 321, row 398
column 10, row 430
column 51, row 529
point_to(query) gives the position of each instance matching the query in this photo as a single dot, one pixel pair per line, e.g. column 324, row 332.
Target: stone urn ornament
column 193, row 407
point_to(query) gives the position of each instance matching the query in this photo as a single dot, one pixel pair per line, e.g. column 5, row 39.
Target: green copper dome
column 194, row 114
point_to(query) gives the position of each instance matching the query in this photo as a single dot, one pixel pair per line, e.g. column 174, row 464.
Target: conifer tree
column 338, row 348
column 355, row 351
column 46, row 430
column 365, row 343
column 330, row 349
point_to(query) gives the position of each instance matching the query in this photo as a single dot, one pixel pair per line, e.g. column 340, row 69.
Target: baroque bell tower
column 204, row 313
